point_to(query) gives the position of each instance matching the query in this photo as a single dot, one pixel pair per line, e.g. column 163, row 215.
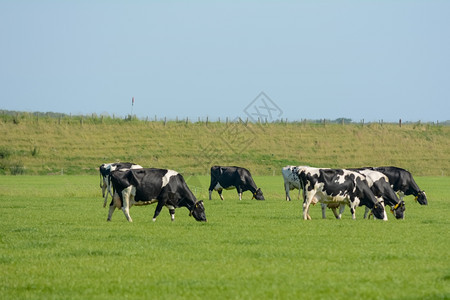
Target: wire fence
column 59, row 118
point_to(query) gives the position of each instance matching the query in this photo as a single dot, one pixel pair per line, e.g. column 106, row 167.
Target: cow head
column 421, row 198
column 378, row 210
column 398, row 210
column 198, row 211
column 258, row 195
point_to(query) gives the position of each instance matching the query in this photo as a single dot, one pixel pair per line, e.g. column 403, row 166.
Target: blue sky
column 371, row 60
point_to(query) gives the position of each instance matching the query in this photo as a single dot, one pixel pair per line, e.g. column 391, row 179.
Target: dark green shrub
column 17, row 168
column 34, row 151
column 5, row 152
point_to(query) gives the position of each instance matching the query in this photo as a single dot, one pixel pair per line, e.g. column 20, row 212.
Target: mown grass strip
column 55, row 243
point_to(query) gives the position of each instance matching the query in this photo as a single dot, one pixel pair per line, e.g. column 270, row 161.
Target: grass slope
column 51, row 146
column 55, row 243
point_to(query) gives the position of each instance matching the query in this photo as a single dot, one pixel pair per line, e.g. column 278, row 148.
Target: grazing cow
column 292, row 181
column 233, row 177
column 147, row 186
column 379, row 184
column 403, row 183
column 337, row 186
column 105, row 171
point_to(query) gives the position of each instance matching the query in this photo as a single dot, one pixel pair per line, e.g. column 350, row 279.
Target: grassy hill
column 78, row 145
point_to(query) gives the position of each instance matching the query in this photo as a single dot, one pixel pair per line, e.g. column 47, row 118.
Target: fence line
column 17, row 117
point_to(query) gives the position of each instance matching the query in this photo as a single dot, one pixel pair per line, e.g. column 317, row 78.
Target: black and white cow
column 233, row 177
column 381, row 188
column 291, row 180
column 105, row 171
column 337, row 186
column 403, row 183
column 148, row 186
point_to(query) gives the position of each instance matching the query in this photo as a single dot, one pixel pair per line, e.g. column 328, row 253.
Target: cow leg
column 171, row 212
column 158, row 209
column 115, row 202
column 112, row 207
column 210, row 193
column 366, row 212
column 109, row 190
column 126, row 193
column 336, row 215
column 287, row 188
column 353, row 210
column 103, row 186
column 239, row 190
column 341, row 211
column 219, row 191
column 104, row 191
column 306, row 204
column 324, row 207
column 106, row 199
column 384, row 208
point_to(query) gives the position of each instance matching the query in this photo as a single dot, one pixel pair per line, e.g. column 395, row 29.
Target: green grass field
column 55, row 243
column 53, row 146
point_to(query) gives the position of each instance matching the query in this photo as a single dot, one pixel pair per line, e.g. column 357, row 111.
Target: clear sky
column 368, row 60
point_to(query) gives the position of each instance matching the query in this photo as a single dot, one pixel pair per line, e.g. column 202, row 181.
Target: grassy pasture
column 50, row 146
column 55, row 243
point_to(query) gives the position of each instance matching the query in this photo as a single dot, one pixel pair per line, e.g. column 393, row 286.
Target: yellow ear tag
column 415, row 199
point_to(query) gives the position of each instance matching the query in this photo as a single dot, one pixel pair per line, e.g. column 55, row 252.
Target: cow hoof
column 154, row 219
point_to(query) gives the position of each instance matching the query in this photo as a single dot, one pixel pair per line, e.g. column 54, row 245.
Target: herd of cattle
column 333, row 188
